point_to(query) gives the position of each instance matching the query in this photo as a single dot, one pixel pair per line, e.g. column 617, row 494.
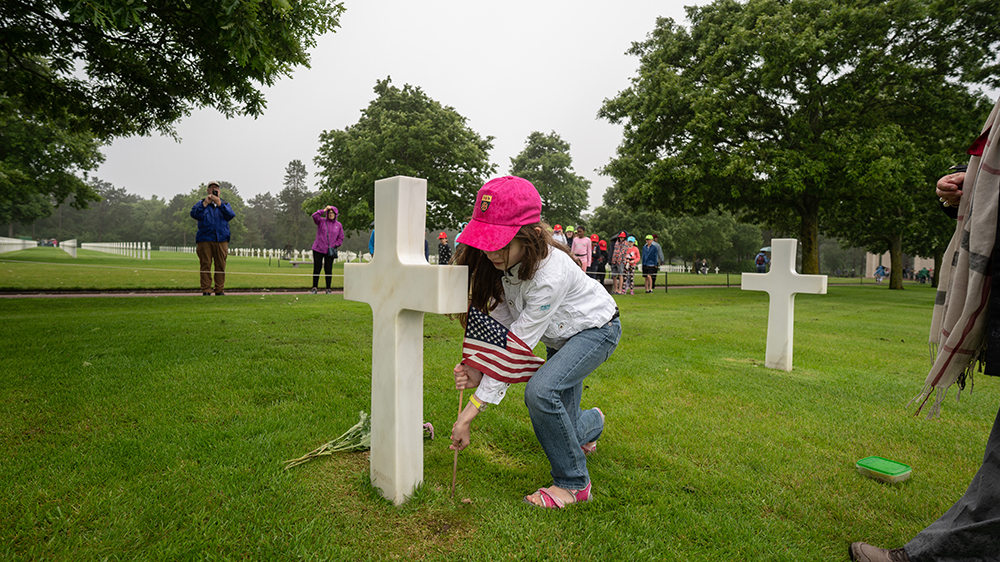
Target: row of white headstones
column 400, row 286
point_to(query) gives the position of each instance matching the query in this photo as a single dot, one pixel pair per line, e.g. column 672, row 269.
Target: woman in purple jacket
column 329, row 237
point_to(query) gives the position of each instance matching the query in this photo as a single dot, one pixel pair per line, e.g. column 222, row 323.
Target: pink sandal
column 550, row 501
column 591, row 447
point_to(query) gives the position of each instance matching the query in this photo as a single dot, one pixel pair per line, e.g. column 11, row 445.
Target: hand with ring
column 949, row 189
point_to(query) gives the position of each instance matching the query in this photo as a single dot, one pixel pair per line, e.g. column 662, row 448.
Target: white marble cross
column 781, row 285
column 401, row 286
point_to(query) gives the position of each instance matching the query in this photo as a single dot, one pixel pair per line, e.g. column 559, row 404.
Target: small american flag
column 494, row 350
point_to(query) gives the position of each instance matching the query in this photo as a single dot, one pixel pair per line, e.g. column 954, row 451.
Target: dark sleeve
column 949, row 210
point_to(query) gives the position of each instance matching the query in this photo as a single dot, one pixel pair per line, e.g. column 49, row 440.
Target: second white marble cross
column 781, row 284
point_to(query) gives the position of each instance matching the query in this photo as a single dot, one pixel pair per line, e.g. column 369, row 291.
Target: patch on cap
column 485, row 204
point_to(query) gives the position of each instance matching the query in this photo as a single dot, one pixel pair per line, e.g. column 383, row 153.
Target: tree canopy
column 403, row 132
column 753, row 108
column 128, row 67
column 546, row 163
column 76, row 74
column 41, row 160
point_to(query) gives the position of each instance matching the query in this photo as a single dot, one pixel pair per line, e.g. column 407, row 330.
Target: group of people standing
column 625, row 256
column 621, row 253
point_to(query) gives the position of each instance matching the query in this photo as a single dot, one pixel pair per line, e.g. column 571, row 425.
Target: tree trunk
column 809, row 238
column 896, row 262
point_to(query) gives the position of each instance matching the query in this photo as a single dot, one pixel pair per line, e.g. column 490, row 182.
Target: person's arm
column 198, row 211
column 338, row 234
column 318, row 215
column 227, row 211
column 461, row 431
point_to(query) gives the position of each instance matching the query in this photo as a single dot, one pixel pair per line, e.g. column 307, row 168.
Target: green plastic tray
column 883, row 469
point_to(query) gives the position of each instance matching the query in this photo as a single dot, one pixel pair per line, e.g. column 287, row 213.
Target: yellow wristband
column 475, row 402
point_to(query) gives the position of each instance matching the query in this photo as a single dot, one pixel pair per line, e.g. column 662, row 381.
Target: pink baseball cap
column 503, row 206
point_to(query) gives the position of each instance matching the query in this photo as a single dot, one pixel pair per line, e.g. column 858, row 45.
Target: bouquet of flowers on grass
column 358, row 438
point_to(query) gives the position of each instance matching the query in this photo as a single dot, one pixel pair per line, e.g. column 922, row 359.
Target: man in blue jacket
column 213, row 216
column 650, row 262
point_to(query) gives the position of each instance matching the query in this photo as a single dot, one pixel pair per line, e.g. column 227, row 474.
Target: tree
column 706, row 236
column 41, row 159
column 894, row 168
column 108, row 220
column 75, row 74
column 902, row 165
column 149, row 216
column 746, row 243
column 403, row 132
column 293, row 218
column 546, row 163
column 296, row 176
column 262, row 211
column 838, row 254
column 63, row 224
column 132, row 67
column 752, row 108
column 178, row 221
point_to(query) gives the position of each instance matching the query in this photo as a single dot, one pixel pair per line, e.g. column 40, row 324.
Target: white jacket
column 559, row 302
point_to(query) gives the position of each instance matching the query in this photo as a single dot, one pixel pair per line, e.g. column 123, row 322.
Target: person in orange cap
column 558, row 235
column 444, row 249
column 598, row 258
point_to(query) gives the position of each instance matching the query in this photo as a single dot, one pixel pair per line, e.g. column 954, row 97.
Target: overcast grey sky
column 510, row 68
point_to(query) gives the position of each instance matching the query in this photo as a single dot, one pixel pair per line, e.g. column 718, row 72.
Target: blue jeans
column 553, row 393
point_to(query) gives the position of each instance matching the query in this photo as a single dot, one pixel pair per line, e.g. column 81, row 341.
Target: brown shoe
column 863, row 552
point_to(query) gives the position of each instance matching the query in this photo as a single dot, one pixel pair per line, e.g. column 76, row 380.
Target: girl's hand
column 466, row 377
column 949, row 188
column 461, row 433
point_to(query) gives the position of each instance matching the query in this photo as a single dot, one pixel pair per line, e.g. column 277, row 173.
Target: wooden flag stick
column 454, row 468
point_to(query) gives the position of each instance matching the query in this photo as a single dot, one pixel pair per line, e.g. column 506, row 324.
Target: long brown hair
column 486, row 281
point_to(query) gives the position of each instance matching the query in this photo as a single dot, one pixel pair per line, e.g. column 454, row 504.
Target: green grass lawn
column 154, row 428
column 41, row 269
column 52, row 269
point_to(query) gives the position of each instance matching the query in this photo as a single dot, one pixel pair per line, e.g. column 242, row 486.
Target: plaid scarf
column 958, row 326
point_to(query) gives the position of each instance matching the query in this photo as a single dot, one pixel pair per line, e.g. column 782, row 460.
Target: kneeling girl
column 539, row 293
